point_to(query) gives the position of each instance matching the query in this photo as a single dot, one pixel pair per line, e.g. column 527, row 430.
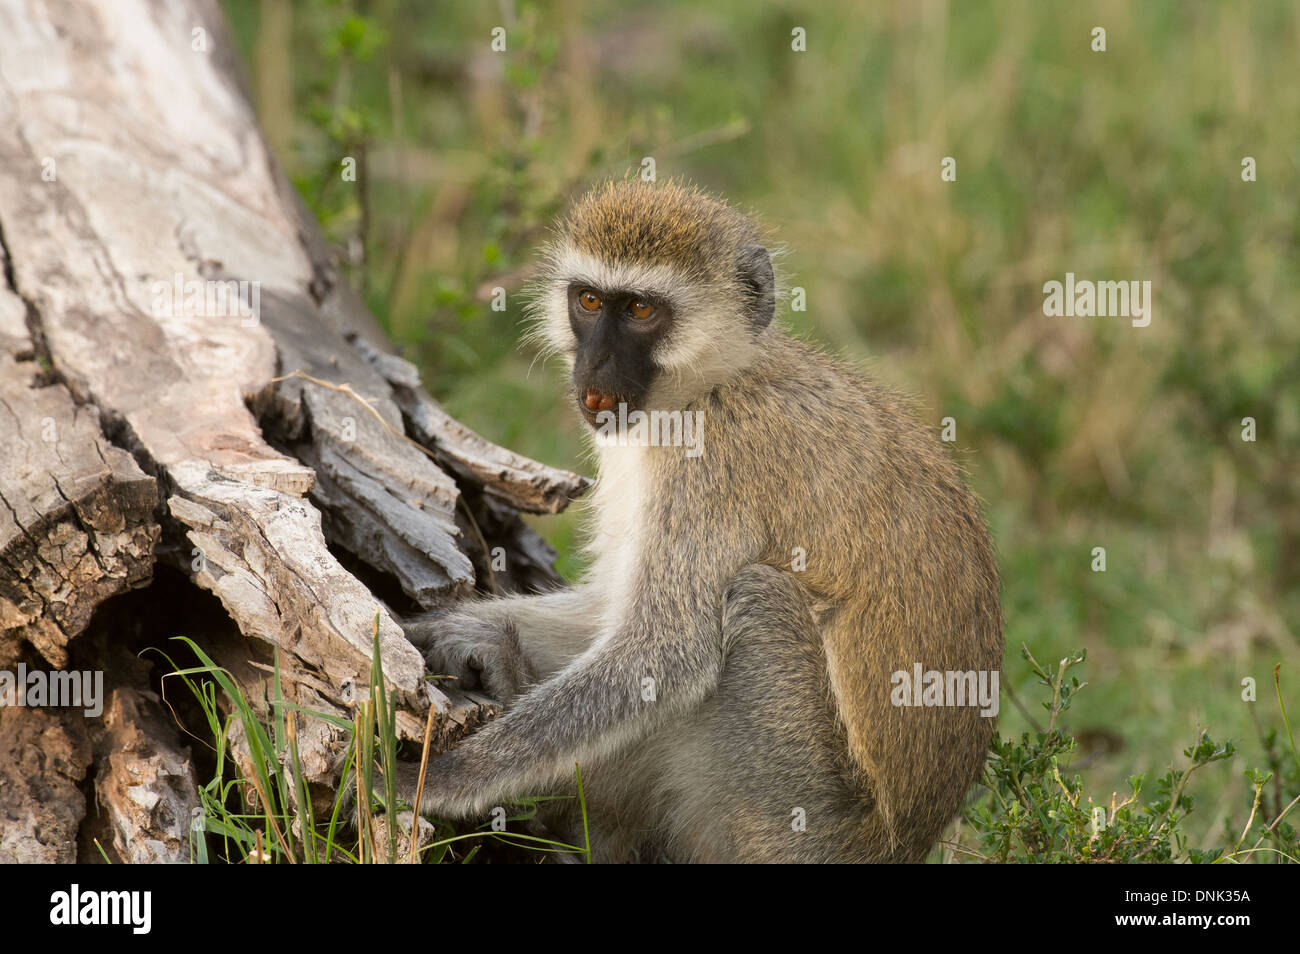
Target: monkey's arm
column 661, row 661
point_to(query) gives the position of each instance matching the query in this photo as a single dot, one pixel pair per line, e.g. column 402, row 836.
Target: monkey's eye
column 641, row 310
column 589, row 300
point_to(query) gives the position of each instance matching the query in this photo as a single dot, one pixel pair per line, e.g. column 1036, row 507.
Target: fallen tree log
column 222, row 403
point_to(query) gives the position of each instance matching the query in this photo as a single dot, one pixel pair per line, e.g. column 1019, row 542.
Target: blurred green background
column 1077, row 433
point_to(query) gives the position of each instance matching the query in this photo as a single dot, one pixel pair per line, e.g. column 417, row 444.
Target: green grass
column 1077, row 433
column 260, row 808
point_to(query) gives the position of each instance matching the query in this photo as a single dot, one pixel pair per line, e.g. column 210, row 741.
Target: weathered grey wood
column 384, row 500
column 522, row 483
column 496, row 483
column 175, row 380
column 247, row 446
column 76, row 512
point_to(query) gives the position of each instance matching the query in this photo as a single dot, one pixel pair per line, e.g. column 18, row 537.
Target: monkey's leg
column 503, row 646
column 761, row 772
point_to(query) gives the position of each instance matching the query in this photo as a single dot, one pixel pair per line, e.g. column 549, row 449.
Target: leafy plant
column 1031, row 812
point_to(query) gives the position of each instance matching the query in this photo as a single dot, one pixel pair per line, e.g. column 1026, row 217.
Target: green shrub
column 1027, row 811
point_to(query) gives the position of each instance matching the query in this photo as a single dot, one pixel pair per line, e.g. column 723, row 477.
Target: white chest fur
column 619, row 500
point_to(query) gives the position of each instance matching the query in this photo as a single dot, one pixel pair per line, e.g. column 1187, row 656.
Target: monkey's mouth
column 593, row 401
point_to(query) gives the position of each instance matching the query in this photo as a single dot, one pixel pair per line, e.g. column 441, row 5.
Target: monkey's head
column 652, row 294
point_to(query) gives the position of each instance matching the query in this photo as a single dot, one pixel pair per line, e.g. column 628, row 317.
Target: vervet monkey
column 724, row 675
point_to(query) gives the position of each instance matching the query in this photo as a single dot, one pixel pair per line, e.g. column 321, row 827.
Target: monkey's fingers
column 501, row 667
column 497, row 666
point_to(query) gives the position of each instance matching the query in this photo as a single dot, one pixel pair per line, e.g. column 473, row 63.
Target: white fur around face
column 710, row 339
column 572, row 265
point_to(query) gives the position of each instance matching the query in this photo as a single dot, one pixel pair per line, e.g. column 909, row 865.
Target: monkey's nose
column 596, row 400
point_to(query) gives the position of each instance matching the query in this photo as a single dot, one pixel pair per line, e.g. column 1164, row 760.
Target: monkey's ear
column 756, row 275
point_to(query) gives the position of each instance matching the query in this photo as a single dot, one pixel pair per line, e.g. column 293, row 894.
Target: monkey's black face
column 616, row 333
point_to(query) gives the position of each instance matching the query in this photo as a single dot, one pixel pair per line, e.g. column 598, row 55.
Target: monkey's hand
column 481, row 654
